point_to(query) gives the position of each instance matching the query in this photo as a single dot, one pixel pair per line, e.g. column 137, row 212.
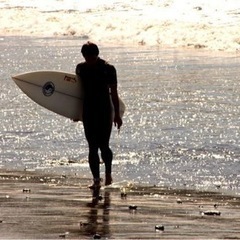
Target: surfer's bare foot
column 96, row 184
column 108, row 179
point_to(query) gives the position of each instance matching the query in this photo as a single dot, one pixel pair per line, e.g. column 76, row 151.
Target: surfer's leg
column 94, row 161
column 93, row 157
column 107, row 156
column 106, row 153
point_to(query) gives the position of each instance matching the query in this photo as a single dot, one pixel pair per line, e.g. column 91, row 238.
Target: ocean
column 180, row 130
column 212, row 25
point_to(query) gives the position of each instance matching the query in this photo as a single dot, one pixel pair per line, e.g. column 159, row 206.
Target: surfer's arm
column 114, row 95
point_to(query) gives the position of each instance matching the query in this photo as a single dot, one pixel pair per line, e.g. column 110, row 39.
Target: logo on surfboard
column 48, row 89
column 70, row 79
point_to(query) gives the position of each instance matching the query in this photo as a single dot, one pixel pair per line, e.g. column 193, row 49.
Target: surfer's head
column 90, row 52
column 90, row 49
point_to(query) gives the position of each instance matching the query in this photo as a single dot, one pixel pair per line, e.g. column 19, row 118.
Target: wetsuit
column 97, row 114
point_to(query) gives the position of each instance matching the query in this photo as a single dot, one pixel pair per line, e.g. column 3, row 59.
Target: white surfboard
column 59, row 92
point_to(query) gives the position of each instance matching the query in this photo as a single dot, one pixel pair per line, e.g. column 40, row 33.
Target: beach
column 45, row 206
column 169, row 23
column 176, row 160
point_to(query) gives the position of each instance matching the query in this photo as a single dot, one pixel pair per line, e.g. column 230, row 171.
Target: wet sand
column 37, row 206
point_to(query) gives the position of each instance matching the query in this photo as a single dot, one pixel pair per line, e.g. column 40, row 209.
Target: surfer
column 99, row 78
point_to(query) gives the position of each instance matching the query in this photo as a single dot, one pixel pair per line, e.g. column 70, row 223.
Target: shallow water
column 181, row 127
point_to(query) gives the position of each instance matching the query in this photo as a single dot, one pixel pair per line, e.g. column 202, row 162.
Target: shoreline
column 71, row 41
column 184, row 46
column 38, row 206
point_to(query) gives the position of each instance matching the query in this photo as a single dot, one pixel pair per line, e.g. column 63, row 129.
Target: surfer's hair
column 90, row 49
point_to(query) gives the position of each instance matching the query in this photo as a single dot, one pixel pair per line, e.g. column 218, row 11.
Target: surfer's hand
column 117, row 121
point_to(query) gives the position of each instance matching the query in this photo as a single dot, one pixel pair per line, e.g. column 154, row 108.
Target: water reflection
column 99, row 215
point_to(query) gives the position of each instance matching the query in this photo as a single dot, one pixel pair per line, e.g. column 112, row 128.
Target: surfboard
column 59, row 92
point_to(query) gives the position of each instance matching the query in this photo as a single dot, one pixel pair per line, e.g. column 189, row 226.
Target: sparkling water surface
column 181, row 126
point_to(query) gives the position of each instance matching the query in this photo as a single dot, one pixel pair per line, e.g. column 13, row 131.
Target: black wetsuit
column 97, row 114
